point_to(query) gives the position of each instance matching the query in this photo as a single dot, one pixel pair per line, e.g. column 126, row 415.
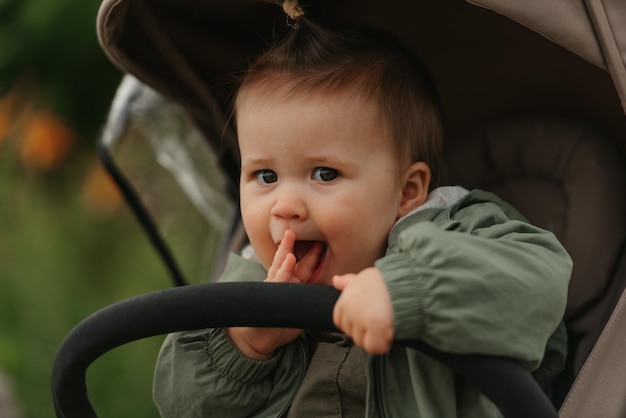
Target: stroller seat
column 566, row 176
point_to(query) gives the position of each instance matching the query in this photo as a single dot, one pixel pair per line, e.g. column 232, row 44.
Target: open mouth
column 302, row 248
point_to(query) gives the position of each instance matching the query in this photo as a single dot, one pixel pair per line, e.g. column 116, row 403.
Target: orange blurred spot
column 100, row 193
column 4, row 123
column 46, row 141
column 6, row 111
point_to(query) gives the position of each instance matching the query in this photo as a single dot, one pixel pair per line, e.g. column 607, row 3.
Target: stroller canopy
column 593, row 29
column 482, row 62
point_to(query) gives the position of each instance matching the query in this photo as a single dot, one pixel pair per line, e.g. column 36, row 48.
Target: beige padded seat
column 567, row 176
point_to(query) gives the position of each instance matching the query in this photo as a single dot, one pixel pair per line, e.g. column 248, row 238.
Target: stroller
column 534, row 95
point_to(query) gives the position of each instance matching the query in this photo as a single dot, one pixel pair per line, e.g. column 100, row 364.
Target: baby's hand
column 260, row 343
column 285, row 268
column 364, row 311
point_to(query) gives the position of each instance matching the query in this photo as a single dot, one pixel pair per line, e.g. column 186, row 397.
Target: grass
column 58, row 264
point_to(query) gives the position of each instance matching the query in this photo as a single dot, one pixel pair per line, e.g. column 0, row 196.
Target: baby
column 340, row 136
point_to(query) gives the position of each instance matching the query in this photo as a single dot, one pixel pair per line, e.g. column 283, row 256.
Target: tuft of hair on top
column 373, row 63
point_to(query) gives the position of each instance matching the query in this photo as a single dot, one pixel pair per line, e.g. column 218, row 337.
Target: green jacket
column 472, row 278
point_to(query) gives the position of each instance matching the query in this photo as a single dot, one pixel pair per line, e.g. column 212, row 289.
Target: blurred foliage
column 60, row 261
column 68, row 244
column 49, row 51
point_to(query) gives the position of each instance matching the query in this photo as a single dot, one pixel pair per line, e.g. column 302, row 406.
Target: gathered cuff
column 230, row 363
column 407, row 295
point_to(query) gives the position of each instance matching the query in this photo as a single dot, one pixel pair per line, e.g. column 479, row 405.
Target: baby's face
column 324, row 167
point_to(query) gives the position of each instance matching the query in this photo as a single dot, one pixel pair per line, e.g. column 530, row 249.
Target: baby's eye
column 266, row 176
column 324, row 174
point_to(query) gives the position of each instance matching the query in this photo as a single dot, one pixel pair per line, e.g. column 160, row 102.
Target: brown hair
column 316, row 59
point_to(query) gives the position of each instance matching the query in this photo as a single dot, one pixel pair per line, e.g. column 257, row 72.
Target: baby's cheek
column 264, row 252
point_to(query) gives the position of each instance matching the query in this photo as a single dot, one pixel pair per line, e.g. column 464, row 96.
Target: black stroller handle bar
column 504, row 381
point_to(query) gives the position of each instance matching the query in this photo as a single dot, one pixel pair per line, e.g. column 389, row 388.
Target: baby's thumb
column 340, row 282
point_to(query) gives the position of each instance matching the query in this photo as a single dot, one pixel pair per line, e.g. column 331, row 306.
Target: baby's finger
column 377, row 342
column 289, row 239
column 285, row 247
column 340, row 282
column 279, row 257
column 339, row 317
column 306, row 266
column 285, row 272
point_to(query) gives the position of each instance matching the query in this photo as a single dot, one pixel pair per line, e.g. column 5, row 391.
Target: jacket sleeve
column 489, row 285
column 202, row 374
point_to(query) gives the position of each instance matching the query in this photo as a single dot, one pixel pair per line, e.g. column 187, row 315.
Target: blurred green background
column 68, row 244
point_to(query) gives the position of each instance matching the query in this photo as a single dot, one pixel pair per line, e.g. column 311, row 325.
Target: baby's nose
column 290, row 205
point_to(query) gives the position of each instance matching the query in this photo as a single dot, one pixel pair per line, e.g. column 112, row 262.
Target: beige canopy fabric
column 593, row 29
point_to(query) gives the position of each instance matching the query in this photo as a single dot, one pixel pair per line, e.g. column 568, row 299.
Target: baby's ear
column 415, row 183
